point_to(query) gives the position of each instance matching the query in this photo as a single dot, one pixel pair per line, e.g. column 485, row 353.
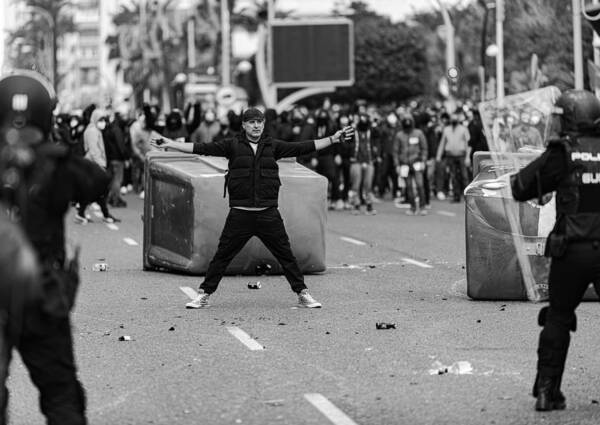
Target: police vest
column 578, row 195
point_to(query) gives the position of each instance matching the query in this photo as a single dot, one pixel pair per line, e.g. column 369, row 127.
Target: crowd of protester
column 406, row 154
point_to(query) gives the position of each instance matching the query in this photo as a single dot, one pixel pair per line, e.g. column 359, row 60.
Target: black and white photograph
column 299, row 212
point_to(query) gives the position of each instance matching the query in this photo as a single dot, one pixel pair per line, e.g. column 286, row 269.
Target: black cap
column 253, row 114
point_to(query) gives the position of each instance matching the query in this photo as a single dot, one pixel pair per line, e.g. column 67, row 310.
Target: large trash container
column 184, row 214
column 493, row 269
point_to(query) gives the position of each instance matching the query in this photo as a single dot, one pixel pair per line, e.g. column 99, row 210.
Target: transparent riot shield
column 505, row 238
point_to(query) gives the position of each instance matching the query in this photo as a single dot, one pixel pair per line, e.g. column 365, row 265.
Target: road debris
column 384, row 325
column 254, row 285
column 125, row 338
column 100, row 267
column 457, row 368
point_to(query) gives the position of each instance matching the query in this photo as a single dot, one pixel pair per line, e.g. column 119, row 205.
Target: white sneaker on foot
column 200, row 301
column 306, row 300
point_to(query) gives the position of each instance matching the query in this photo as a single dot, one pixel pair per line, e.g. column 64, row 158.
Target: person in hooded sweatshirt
column 93, row 143
column 174, row 128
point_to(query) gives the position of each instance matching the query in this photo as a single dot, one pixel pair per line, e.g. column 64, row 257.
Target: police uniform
column 40, row 197
column 571, row 167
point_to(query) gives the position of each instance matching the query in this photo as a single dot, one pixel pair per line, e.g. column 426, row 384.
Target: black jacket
column 253, row 180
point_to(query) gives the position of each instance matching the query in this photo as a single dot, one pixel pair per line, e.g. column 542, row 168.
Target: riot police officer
column 571, row 167
column 39, row 180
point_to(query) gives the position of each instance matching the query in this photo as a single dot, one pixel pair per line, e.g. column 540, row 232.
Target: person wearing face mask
column 454, row 149
column 208, row 128
column 95, row 152
column 388, row 170
column 341, row 159
column 325, row 164
column 174, row 128
column 410, row 158
column 253, row 186
column 362, row 168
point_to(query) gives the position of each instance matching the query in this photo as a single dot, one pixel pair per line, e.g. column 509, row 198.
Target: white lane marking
column 130, row 241
column 189, row 292
column 327, row 408
column 98, row 214
column 417, row 263
column 446, row 213
column 244, row 338
column 351, row 240
column 112, row 226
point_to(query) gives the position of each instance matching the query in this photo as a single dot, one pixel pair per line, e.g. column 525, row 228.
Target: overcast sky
column 396, row 9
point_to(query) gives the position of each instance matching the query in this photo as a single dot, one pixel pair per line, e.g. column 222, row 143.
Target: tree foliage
column 41, row 34
column 389, row 59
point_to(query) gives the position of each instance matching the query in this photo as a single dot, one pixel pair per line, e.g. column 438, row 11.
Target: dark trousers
column 240, row 226
column 46, row 347
column 326, row 168
column 116, row 169
column 388, row 172
column 415, row 178
column 570, row 275
column 342, row 172
column 458, row 174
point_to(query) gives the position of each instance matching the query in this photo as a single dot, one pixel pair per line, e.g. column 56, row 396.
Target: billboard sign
column 311, row 53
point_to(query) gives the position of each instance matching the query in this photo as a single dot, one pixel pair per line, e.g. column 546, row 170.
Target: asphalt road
column 325, row 366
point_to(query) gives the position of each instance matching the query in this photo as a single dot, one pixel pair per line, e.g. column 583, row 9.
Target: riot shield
column 517, row 130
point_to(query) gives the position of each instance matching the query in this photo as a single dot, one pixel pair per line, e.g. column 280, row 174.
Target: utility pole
column 577, row 47
column 225, row 44
column 500, row 55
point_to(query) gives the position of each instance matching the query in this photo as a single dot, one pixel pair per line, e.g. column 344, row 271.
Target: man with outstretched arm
column 253, row 185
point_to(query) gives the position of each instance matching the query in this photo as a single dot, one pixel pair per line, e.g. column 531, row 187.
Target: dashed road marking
column 446, row 213
column 130, row 242
column 244, row 338
column 417, row 263
column 328, row 409
column 351, row 240
column 189, row 292
column 112, row 226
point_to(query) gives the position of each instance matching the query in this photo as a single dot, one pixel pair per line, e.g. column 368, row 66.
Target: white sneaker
column 306, row 300
column 142, row 194
column 441, row 196
column 201, row 301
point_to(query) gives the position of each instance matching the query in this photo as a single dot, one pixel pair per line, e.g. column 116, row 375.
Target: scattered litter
column 100, row 267
column 143, row 298
column 369, row 349
column 384, row 325
column 281, row 324
column 444, row 299
column 505, row 397
column 594, row 401
column 371, row 266
column 278, row 402
column 125, row 338
column 238, row 421
column 478, row 320
column 262, row 269
column 107, row 333
column 327, row 333
column 172, row 328
column 457, row 368
column 254, row 285
column 122, row 326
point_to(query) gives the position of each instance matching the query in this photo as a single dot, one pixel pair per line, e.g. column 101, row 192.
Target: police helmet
column 579, row 111
column 26, row 104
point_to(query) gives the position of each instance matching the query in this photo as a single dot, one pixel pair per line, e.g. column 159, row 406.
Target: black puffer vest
column 252, row 180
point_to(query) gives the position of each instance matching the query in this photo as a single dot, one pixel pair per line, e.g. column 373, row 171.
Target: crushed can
column 100, row 267
column 384, row 325
column 254, row 285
